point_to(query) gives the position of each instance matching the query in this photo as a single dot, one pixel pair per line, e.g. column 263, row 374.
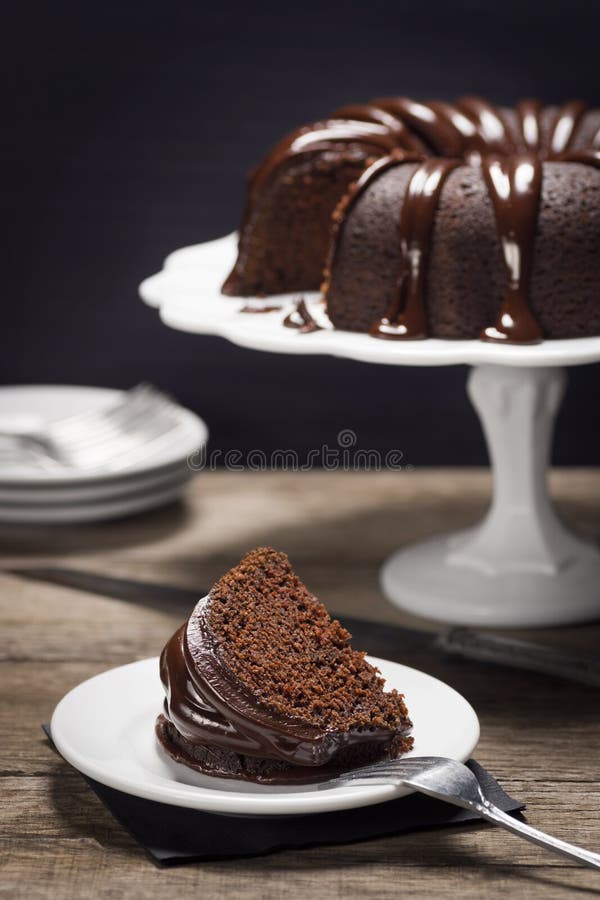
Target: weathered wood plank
column 76, row 812
column 374, row 869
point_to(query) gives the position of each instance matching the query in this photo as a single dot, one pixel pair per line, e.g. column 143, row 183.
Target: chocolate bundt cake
column 261, row 684
column 460, row 220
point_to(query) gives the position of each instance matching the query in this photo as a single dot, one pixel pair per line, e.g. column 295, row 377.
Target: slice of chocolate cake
column 262, row 685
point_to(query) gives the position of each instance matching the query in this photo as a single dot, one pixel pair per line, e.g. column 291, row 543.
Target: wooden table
column 540, row 737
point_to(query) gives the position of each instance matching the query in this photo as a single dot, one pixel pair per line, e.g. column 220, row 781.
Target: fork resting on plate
column 449, row 780
column 114, row 438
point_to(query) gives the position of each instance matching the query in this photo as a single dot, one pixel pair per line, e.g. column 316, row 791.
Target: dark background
column 129, row 129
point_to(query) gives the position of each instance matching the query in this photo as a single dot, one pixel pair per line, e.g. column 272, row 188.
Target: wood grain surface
column 540, row 736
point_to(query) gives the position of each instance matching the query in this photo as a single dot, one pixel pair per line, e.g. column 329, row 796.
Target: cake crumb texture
column 285, row 649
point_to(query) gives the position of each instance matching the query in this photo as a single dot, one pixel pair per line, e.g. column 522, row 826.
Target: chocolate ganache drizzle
column 509, row 146
column 407, row 315
column 514, row 184
column 301, row 318
column 209, row 706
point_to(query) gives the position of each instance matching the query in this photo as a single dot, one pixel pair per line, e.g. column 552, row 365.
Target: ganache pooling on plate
column 220, row 721
column 436, row 138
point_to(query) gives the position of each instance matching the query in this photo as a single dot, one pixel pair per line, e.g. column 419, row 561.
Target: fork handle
column 490, row 812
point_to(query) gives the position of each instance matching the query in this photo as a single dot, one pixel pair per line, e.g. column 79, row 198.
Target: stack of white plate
column 30, row 494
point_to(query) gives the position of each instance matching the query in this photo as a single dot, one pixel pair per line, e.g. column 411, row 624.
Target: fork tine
column 126, row 413
column 97, row 433
column 130, row 400
column 128, row 431
column 388, row 769
column 131, row 429
column 129, row 396
column 128, row 453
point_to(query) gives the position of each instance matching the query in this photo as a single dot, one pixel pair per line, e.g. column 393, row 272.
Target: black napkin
column 173, row 835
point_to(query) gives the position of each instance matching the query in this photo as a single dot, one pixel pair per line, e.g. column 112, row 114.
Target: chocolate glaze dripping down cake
column 261, row 684
column 495, row 234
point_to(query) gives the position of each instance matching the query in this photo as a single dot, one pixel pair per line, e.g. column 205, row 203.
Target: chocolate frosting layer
column 208, row 705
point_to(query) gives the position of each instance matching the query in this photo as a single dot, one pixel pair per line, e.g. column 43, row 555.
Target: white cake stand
column 520, row 566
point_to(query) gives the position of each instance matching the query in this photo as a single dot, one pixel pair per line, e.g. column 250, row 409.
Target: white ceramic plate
column 105, row 728
column 187, row 292
column 100, row 489
column 39, row 404
column 126, row 504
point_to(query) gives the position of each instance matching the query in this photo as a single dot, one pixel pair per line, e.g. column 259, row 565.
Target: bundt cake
column 262, row 685
column 460, row 220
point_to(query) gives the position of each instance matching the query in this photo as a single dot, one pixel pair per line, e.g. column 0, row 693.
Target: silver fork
column 129, row 430
column 449, row 780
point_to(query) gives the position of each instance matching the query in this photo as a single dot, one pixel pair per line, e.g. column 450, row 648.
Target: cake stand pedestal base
column 520, row 567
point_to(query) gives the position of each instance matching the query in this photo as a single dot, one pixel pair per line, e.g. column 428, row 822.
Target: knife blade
column 382, row 639
column 508, row 651
column 155, row 596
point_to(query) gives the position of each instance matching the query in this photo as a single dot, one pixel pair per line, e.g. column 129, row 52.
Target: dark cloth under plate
column 174, row 835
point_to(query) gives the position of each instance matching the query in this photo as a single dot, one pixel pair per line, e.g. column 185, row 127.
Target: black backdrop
column 129, row 129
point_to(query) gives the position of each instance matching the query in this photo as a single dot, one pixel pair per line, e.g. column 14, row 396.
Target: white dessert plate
column 40, row 404
column 96, row 490
column 105, row 728
column 116, row 507
column 187, row 293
